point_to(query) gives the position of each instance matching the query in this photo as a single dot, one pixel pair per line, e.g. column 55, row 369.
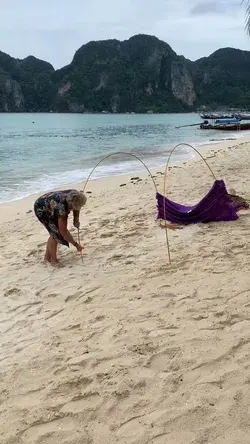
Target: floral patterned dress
column 49, row 208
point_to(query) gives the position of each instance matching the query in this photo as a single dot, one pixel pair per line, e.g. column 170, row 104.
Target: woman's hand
column 76, row 223
column 79, row 247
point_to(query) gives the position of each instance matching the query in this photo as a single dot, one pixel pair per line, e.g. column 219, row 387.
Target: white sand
column 126, row 348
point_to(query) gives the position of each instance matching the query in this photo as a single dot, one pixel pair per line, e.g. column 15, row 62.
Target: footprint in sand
column 71, row 386
column 161, row 362
column 107, row 235
column 54, row 313
column 12, row 292
column 82, row 403
column 35, row 252
column 99, row 318
column 182, row 437
column 132, row 429
column 115, row 259
column 57, row 430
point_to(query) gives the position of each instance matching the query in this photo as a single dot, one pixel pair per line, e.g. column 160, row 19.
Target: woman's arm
column 76, row 221
column 62, row 225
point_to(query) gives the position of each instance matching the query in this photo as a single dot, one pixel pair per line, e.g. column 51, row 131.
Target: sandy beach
column 124, row 347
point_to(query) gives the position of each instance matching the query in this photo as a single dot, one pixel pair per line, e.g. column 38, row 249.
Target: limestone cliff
column 25, row 85
column 182, row 83
column 139, row 74
column 11, row 96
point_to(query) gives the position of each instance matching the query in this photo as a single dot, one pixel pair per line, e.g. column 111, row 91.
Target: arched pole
column 166, row 225
column 114, row 154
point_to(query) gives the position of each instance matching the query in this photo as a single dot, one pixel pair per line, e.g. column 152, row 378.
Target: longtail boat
column 243, row 116
column 225, row 124
column 216, row 116
column 233, row 124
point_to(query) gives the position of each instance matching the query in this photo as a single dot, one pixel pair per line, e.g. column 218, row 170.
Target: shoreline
column 26, row 203
column 74, row 170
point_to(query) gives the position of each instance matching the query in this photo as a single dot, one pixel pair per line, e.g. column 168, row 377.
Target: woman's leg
column 47, row 256
column 52, row 250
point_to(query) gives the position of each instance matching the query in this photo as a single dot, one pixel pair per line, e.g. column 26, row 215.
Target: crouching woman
column 52, row 210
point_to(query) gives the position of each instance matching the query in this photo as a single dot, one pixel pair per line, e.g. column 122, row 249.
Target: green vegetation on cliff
column 25, row 85
column 136, row 75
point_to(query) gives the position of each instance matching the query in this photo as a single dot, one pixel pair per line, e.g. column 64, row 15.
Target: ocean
column 39, row 152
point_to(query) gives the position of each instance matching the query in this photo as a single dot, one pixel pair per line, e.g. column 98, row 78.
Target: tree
column 247, row 3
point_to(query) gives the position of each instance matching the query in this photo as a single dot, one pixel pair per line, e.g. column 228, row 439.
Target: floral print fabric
column 49, row 208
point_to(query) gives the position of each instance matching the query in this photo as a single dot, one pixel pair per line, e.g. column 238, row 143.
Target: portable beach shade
column 216, row 206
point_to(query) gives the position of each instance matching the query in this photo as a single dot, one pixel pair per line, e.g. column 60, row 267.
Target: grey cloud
column 203, row 8
column 206, row 7
column 54, row 29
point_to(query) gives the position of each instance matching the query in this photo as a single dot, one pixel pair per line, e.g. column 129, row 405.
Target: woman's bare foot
column 47, row 257
column 56, row 264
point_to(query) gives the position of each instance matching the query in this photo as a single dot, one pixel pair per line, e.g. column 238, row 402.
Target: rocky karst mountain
column 139, row 74
column 25, row 85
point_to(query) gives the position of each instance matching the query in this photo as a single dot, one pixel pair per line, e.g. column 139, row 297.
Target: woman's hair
column 78, row 200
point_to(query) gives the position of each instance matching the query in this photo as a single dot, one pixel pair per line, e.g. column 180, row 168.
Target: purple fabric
column 214, row 207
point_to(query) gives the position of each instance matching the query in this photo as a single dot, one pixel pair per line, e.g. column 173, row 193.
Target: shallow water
column 43, row 151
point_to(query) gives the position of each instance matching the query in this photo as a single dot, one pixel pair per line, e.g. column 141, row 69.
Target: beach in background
column 125, row 347
column 43, row 151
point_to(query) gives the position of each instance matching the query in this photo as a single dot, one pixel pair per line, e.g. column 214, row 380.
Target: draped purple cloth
column 214, row 207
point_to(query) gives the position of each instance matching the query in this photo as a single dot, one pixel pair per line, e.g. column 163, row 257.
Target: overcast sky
column 54, row 29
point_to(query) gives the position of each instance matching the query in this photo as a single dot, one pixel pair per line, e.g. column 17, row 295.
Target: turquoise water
column 43, row 151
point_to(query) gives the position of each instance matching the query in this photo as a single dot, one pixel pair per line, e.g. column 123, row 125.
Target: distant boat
column 243, row 116
column 216, row 116
column 233, row 124
column 225, row 124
